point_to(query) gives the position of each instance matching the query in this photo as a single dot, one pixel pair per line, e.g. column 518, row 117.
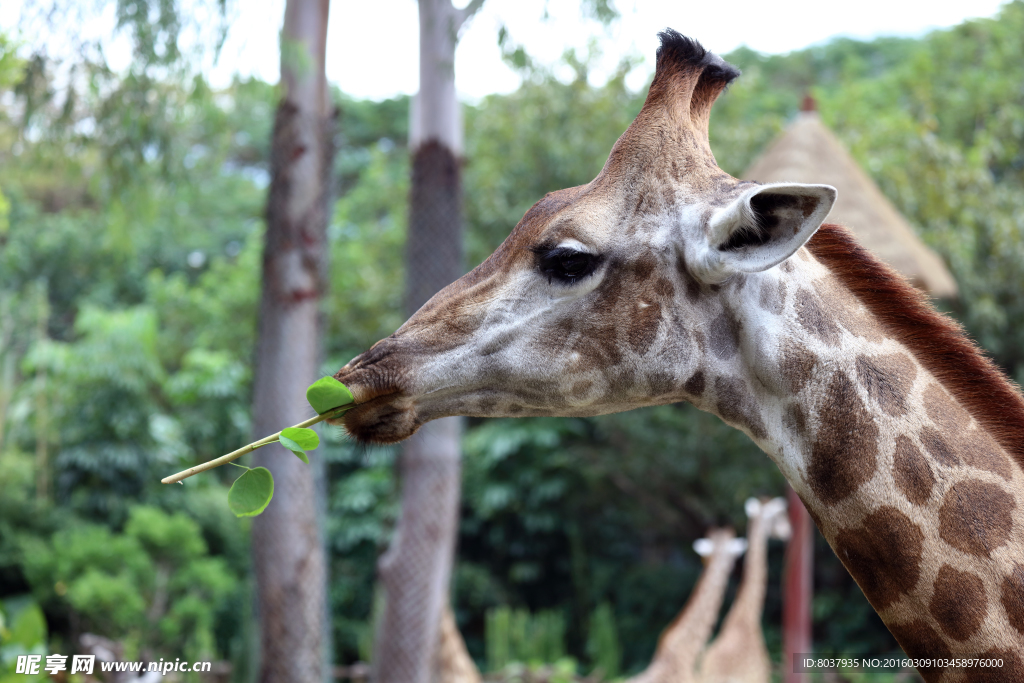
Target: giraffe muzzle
column 385, row 409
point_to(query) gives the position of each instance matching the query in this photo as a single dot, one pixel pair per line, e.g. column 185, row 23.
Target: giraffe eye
column 565, row 264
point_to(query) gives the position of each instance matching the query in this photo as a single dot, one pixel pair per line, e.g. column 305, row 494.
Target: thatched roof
column 808, row 152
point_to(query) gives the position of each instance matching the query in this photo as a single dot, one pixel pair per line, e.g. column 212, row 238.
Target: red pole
column 798, row 581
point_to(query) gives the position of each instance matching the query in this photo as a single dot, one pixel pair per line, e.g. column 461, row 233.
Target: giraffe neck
column 682, row 641
column 749, row 601
column 738, row 653
column 919, row 501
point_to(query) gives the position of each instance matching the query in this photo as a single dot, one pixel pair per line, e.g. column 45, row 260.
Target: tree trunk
column 416, row 570
column 287, row 547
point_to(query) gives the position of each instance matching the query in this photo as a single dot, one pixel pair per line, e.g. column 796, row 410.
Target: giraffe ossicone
column 665, row 279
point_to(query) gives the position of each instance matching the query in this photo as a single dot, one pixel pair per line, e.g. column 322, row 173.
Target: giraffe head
column 724, row 540
column 772, row 514
column 598, row 300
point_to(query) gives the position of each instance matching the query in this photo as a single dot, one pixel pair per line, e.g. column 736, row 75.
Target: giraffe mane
column 939, row 343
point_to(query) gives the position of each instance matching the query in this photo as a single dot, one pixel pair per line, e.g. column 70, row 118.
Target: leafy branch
column 251, row 492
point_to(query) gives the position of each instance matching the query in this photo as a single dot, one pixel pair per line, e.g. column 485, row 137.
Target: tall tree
column 416, row 570
column 287, row 548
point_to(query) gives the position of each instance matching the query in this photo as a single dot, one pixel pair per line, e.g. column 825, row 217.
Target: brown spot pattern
column 857, row 323
column 845, row 448
column 624, row 381
column 643, row 327
column 938, row 447
column 956, row 445
column 556, row 336
column 692, row 289
column 814, row 318
column 796, row 365
column 976, row 517
column 773, row 296
column 1013, row 597
column 888, row 380
column 581, row 389
column 608, row 294
column 943, row 411
column 883, row 555
column 981, row 450
column 736, row 406
column 644, row 267
column 660, row 383
column 1012, row 670
column 918, row 639
column 911, row 472
column 846, row 310
column 664, row 287
column 696, row 384
column 958, row 603
column 598, row 347
column 725, row 336
column 793, row 419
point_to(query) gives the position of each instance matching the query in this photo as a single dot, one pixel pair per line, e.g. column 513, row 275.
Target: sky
column 373, row 45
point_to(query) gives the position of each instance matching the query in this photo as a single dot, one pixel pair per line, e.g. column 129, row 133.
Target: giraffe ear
column 752, row 507
column 762, row 228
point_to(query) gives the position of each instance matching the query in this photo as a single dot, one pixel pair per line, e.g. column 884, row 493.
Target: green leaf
column 294, row 448
column 28, row 628
column 251, row 492
column 307, row 439
column 326, row 394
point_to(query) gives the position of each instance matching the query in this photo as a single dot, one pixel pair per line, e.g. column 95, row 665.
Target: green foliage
column 24, row 625
column 575, row 513
column 22, row 632
column 251, row 492
column 367, row 238
column 152, row 585
column 298, row 441
column 326, row 394
column 174, row 539
column 603, row 647
column 133, row 203
column 534, row 141
column 519, row 636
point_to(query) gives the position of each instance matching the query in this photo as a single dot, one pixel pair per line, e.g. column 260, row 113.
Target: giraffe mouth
column 385, row 412
column 389, row 418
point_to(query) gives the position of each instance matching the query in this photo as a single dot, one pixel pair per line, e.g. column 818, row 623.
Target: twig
column 234, row 455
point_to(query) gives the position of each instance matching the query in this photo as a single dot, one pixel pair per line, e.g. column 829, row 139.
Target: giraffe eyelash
column 565, row 264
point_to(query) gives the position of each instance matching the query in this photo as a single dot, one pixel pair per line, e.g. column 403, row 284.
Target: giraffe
column 452, row 663
column 665, row 279
column 738, row 653
column 675, row 657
